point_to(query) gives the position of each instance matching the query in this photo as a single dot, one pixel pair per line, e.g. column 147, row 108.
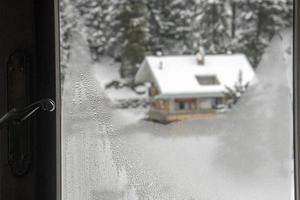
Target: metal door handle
column 19, row 115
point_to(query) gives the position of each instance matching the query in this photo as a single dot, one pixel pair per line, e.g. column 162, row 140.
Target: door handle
column 19, row 115
column 21, row 131
column 19, row 134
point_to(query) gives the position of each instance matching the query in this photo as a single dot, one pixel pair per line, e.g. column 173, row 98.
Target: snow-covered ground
column 111, row 154
column 106, row 71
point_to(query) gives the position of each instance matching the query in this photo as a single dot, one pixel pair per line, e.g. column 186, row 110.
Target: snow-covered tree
column 127, row 29
column 214, row 28
column 99, row 18
column 160, row 26
column 174, row 25
column 133, row 28
column 186, row 26
column 69, row 22
column 256, row 22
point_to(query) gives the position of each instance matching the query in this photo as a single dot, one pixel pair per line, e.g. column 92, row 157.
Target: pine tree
column 99, row 18
column 256, row 23
column 288, row 13
column 161, row 27
column 133, row 40
column 214, row 28
column 128, row 29
column 174, row 25
column 69, row 22
column 185, row 24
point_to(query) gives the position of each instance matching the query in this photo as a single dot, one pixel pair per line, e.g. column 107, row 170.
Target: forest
column 127, row 30
column 110, row 150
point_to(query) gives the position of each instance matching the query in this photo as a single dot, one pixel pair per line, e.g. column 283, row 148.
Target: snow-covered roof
column 176, row 75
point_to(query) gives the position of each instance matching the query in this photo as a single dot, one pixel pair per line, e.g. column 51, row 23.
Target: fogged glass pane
column 174, row 100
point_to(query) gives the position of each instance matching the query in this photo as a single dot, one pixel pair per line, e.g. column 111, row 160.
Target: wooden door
column 30, row 26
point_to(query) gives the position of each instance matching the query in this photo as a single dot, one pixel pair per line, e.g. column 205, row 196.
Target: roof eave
column 190, row 95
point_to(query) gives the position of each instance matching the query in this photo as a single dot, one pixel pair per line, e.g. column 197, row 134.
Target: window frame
column 208, row 80
column 59, row 179
column 296, row 100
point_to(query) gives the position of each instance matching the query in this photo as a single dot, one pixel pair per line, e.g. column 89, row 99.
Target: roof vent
column 200, row 56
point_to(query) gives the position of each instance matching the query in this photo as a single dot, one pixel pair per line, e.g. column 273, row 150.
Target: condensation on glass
column 113, row 152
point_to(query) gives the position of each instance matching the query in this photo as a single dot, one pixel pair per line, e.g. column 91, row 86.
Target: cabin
column 192, row 86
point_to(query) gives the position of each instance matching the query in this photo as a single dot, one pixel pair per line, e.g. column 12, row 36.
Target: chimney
column 160, row 65
column 200, row 56
column 159, row 53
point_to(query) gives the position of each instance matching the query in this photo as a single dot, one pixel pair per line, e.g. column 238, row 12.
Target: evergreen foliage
column 133, row 28
column 99, row 18
column 129, row 29
column 256, row 23
column 68, row 23
column 213, row 27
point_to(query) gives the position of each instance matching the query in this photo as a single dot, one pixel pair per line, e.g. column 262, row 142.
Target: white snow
column 106, row 71
column 242, row 155
column 287, row 46
column 176, row 75
column 124, row 117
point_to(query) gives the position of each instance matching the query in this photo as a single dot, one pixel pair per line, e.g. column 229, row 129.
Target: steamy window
column 124, row 140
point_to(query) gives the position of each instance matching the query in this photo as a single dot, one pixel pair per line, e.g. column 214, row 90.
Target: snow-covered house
column 188, row 86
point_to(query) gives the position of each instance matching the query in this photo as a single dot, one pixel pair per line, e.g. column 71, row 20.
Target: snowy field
column 113, row 154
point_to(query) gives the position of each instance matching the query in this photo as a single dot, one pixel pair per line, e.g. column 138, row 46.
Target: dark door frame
column 48, row 84
column 33, row 25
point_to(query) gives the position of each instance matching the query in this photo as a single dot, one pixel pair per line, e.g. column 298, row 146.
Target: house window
column 185, row 104
column 205, row 104
column 208, row 80
column 218, row 102
column 181, row 105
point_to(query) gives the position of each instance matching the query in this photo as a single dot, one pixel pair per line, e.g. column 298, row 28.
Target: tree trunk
column 233, row 7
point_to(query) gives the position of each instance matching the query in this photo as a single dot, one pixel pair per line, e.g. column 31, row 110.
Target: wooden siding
column 161, row 105
column 167, row 110
column 171, row 117
column 153, row 91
